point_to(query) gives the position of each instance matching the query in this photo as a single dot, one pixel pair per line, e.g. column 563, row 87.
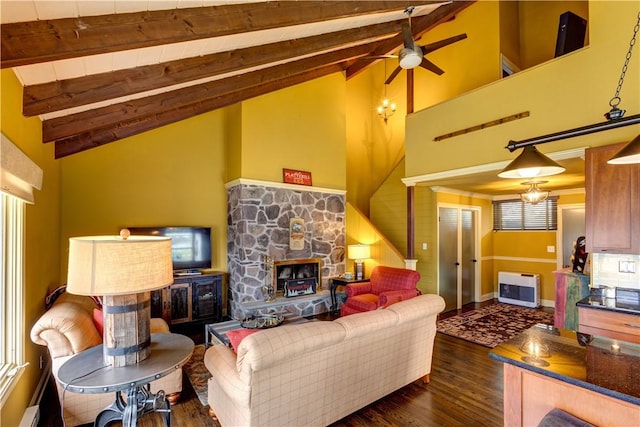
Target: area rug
column 494, row 324
column 197, row 373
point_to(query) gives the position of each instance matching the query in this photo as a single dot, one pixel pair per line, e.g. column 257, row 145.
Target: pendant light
column 529, row 164
column 534, row 193
column 630, row 153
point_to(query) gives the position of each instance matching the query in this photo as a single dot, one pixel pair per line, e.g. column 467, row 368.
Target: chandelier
column 534, row 194
column 387, row 108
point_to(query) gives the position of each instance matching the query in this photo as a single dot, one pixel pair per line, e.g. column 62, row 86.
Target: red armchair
column 386, row 286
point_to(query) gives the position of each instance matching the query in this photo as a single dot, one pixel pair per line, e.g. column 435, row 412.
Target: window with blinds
column 517, row 215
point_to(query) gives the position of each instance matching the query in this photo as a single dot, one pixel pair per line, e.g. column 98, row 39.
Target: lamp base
column 359, row 269
column 127, row 336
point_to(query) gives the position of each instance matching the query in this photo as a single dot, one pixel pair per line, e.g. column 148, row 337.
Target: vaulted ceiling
column 99, row 71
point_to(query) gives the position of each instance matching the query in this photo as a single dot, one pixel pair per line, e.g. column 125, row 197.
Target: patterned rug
column 197, row 373
column 494, row 324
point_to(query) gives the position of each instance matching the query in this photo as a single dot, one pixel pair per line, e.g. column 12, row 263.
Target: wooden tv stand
column 198, row 298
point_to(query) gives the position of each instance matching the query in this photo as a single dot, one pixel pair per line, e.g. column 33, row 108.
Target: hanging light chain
column 615, row 112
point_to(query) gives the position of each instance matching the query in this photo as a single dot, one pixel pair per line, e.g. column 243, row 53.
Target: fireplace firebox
column 305, row 275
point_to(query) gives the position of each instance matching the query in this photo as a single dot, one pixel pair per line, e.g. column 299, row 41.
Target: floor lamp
column 123, row 270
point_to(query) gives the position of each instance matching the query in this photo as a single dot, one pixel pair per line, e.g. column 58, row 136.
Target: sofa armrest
column 221, row 362
column 66, row 329
column 360, row 288
column 385, row 299
column 158, row 326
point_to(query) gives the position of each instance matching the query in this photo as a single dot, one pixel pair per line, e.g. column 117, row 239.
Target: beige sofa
column 315, row 373
column 67, row 328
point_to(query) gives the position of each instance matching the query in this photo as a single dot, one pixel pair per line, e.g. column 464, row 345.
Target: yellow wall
column 563, row 93
column 374, row 147
column 558, row 97
column 510, row 31
column 42, row 236
column 300, row 128
column 361, row 231
column 169, row 176
column 539, row 28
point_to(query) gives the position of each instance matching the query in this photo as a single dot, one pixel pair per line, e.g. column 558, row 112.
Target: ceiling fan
column 412, row 54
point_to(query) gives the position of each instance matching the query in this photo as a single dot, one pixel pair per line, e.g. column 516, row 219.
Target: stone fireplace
column 259, row 217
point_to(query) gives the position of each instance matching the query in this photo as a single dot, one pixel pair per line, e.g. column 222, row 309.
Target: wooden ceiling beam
column 419, row 25
column 63, row 94
column 133, row 126
column 25, row 43
column 113, row 115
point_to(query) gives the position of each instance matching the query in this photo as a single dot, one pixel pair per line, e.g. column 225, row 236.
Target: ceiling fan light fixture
column 410, row 58
column 629, row 154
column 534, row 193
column 531, row 163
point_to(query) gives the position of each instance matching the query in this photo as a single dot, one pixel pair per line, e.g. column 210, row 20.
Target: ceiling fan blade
column 428, row 65
column 407, row 36
column 393, row 75
column 372, row 57
column 442, row 43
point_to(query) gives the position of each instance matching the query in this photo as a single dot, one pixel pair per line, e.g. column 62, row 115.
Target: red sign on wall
column 291, row 176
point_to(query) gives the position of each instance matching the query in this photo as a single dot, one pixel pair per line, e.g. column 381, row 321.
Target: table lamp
column 359, row 253
column 123, row 270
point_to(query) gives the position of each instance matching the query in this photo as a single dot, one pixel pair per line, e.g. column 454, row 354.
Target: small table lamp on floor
column 123, row 270
column 359, row 253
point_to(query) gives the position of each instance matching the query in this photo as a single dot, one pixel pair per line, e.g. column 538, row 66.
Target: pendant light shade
column 629, row 154
column 529, row 164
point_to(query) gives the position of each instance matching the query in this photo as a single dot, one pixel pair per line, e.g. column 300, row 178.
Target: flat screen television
column 190, row 246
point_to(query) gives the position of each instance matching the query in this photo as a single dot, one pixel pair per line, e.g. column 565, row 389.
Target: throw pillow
column 236, row 336
column 98, row 320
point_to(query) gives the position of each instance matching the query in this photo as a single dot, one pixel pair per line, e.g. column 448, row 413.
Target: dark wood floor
column 465, row 389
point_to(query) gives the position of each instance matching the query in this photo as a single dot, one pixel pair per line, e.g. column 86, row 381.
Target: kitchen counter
column 610, row 304
column 568, row 360
column 599, row 383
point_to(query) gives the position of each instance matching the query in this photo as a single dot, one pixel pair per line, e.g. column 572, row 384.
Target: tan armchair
column 67, row 328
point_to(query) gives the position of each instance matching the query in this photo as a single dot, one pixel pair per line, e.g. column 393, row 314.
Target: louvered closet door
column 457, row 255
column 468, row 251
column 448, row 256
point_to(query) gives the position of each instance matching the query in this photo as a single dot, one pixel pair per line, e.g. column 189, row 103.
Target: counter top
column 605, row 366
column 610, row 304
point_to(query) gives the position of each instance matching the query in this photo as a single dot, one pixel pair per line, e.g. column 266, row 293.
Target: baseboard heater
column 519, row 289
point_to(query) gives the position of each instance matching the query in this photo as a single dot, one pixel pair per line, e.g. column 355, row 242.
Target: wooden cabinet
column 610, row 324
column 528, row 397
column 199, row 298
column 612, row 203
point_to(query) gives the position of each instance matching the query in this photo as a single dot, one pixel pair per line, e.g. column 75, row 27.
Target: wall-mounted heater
column 519, row 288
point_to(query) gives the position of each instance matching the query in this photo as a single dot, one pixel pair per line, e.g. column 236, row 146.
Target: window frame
column 12, row 336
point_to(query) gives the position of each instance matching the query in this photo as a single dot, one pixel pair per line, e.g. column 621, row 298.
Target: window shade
column 19, row 175
column 517, row 215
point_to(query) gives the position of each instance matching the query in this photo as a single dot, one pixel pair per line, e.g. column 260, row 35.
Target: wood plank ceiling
column 99, row 71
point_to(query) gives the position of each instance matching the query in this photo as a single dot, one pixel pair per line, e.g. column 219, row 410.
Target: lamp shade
column 531, row 163
column 629, row 154
column 111, row 265
column 359, row 251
